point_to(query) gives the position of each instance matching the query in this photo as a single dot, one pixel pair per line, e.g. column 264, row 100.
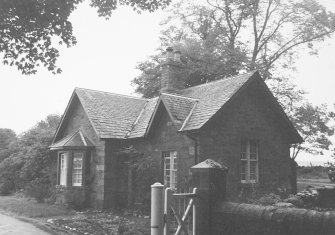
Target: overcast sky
column 105, row 59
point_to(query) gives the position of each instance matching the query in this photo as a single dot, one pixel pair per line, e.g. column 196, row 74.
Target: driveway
column 11, row 226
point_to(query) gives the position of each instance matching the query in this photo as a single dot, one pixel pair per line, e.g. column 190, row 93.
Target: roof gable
column 76, row 140
column 112, row 115
column 212, row 96
column 179, row 107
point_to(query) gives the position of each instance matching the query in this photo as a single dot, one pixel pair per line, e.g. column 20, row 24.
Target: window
column 77, row 169
column 170, row 169
column 71, row 167
column 249, row 161
column 63, row 169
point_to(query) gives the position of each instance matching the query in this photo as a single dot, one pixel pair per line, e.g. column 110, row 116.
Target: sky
column 105, row 58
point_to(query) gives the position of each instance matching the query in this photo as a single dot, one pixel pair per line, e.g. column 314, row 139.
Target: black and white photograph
column 167, row 117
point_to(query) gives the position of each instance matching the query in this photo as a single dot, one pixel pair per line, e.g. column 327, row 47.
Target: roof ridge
column 195, row 99
column 220, row 80
column 111, row 93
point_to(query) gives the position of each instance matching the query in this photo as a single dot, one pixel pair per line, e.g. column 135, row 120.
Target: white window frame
column 249, row 154
column 77, row 169
column 63, row 168
column 170, row 169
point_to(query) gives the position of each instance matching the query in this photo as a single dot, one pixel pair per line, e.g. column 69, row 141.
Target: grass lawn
column 30, row 208
column 56, row 218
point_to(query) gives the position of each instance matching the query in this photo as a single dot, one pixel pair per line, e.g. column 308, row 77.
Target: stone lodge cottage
column 235, row 121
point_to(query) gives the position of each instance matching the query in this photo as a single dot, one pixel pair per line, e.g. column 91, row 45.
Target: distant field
column 312, row 172
column 303, row 183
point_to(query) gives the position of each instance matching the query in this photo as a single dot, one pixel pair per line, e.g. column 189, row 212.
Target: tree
column 30, row 161
column 313, row 125
column 29, row 29
column 222, row 38
column 7, row 138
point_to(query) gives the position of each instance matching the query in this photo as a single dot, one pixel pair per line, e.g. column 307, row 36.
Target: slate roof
column 178, row 106
column 73, row 140
column 112, row 115
column 125, row 117
column 212, row 96
column 141, row 126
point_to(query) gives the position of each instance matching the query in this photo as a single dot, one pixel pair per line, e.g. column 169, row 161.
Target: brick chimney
column 173, row 71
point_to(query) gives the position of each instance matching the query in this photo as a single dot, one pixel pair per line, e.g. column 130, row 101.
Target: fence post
column 157, row 209
column 195, row 212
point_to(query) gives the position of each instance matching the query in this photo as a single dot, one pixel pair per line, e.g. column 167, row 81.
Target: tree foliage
column 223, row 38
column 7, row 138
column 30, row 160
column 313, row 125
column 29, row 29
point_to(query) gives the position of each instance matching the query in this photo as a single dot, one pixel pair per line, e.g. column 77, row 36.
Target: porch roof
column 76, row 140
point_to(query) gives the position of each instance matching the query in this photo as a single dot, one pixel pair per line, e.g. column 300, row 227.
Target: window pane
column 243, row 156
column 63, row 169
column 252, row 176
column 253, row 170
column 77, row 169
column 253, row 166
column 253, row 147
column 243, row 177
column 243, row 170
column 253, row 156
column 249, row 157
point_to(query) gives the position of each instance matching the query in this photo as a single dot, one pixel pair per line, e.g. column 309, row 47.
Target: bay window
column 71, row 168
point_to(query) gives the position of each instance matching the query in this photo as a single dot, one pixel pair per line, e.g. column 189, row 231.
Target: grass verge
column 30, row 208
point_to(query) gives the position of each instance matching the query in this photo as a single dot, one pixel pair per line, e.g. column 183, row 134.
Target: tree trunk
column 293, row 176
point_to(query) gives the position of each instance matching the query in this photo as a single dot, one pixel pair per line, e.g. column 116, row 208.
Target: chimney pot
column 173, row 71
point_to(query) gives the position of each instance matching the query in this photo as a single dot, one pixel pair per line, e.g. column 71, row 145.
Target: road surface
column 12, row 226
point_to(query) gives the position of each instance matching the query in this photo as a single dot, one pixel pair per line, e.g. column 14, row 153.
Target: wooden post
column 157, row 209
column 167, row 211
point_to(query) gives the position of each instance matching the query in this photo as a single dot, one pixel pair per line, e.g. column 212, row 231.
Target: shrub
column 39, row 189
column 268, row 199
column 10, row 180
column 6, row 187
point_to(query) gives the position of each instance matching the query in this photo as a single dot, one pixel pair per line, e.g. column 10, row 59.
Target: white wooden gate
column 178, row 208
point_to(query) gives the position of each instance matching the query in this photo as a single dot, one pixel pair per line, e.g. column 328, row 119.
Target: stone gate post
column 210, row 179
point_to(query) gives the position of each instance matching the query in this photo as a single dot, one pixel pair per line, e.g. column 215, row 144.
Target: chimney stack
column 173, row 72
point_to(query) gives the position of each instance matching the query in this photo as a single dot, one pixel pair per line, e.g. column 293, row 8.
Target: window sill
column 64, row 187
column 250, row 183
